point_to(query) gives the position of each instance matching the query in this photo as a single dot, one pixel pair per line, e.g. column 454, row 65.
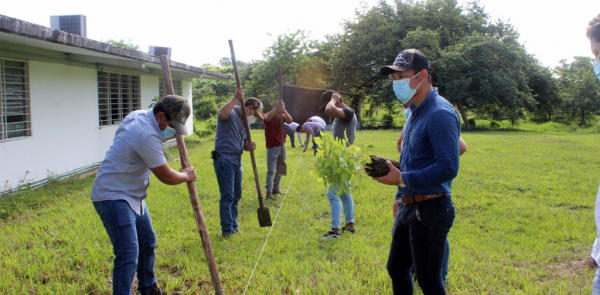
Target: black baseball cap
column 409, row 59
column 325, row 98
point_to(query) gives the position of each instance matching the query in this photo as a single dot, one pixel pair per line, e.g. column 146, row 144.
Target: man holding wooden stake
column 230, row 143
column 274, row 141
column 121, row 186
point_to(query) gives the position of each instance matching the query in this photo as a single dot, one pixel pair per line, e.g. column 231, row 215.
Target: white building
column 63, row 96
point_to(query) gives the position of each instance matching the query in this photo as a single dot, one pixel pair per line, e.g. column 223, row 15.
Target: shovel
column 281, row 165
column 185, row 162
column 264, row 217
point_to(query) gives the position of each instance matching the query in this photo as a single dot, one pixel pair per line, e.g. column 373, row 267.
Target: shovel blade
column 264, row 217
column 281, row 168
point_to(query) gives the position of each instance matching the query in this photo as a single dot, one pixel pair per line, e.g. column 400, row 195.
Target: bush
column 207, row 128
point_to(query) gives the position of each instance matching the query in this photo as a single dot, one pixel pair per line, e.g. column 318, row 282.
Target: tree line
column 478, row 64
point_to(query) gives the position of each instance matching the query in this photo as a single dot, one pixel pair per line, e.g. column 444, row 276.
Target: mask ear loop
column 419, row 83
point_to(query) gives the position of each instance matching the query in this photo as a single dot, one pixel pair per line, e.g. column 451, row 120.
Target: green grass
column 524, row 225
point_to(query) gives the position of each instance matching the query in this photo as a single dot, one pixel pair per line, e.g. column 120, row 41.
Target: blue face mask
column 168, row 132
column 597, row 68
column 402, row 89
column 407, row 113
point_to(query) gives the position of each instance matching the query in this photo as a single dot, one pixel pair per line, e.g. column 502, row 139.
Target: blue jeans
column 419, row 238
column 596, row 284
column 133, row 241
column 229, row 177
column 336, row 208
column 273, row 178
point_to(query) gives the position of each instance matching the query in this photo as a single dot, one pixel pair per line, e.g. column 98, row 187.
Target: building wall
column 64, row 124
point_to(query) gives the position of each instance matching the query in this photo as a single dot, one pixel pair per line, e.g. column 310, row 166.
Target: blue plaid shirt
column 429, row 159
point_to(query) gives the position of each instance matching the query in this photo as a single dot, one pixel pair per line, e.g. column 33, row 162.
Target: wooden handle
column 185, row 162
column 281, row 113
column 246, row 126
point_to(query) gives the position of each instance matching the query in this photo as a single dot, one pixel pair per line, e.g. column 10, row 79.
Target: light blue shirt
column 125, row 171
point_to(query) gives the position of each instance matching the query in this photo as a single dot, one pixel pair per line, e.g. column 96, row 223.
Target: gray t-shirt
column 230, row 138
column 346, row 124
column 125, row 170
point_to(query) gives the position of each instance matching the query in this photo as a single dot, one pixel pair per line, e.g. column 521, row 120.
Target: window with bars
column 15, row 110
column 118, row 95
column 162, row 88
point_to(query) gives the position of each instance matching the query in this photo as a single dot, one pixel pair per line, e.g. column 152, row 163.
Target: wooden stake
column 185, row 163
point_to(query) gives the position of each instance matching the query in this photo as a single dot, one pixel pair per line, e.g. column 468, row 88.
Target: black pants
column 419, row 238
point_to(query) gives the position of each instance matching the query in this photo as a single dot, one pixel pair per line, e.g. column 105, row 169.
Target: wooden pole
column 185, row 163
column 264, row 221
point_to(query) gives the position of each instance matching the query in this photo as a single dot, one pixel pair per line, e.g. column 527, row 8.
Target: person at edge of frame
column 230, row 142
column 428, row 163
column 274, row 141
column 120, row 189
column 593, row 33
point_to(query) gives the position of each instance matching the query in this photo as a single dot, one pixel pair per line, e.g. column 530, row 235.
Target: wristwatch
column 402, row 184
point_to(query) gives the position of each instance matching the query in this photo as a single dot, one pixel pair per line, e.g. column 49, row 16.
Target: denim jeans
column 336, row 208
column 229, row 177
column 289, row 131
column 596, row 284
column 133, row 241
column 273, row 178
column 419, row 238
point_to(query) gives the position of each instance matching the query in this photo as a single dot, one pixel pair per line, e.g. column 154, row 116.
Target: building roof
column 76, row 48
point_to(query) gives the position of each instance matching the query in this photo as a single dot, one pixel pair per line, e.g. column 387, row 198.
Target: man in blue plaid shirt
column 428, row 163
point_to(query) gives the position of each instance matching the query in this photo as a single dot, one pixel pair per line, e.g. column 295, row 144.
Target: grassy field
column 524, row 225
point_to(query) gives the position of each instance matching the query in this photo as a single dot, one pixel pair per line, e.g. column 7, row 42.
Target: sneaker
column 330, row 235
column 276, row 191
column 344, row 230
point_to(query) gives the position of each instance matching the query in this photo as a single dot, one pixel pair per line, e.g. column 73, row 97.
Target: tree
column 579, row 87
column 486, row 76
column 122, row 43
column 293, row 52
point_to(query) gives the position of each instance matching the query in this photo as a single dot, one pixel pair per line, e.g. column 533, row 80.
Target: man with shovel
column 274, row 149
column 121, row 186
column 230, row 143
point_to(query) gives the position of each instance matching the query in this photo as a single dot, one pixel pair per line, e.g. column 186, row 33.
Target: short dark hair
column 159, row 107
column 593, row 29
column 299, row 128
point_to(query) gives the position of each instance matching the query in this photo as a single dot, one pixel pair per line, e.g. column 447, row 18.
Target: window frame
column 7, row 103
column 118, row 95
column 177, row 87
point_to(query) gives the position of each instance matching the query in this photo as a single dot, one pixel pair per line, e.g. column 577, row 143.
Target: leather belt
column 419, row 198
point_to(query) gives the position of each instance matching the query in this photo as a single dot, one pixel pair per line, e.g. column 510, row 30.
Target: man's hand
column 281, row 107
column 392, row 178
column 190, row 172
column 239, row 94
column 249, row 146
column 395, row 207
column 335, row 97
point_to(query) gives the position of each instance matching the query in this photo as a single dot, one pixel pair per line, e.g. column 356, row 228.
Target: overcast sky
column 198, row 30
